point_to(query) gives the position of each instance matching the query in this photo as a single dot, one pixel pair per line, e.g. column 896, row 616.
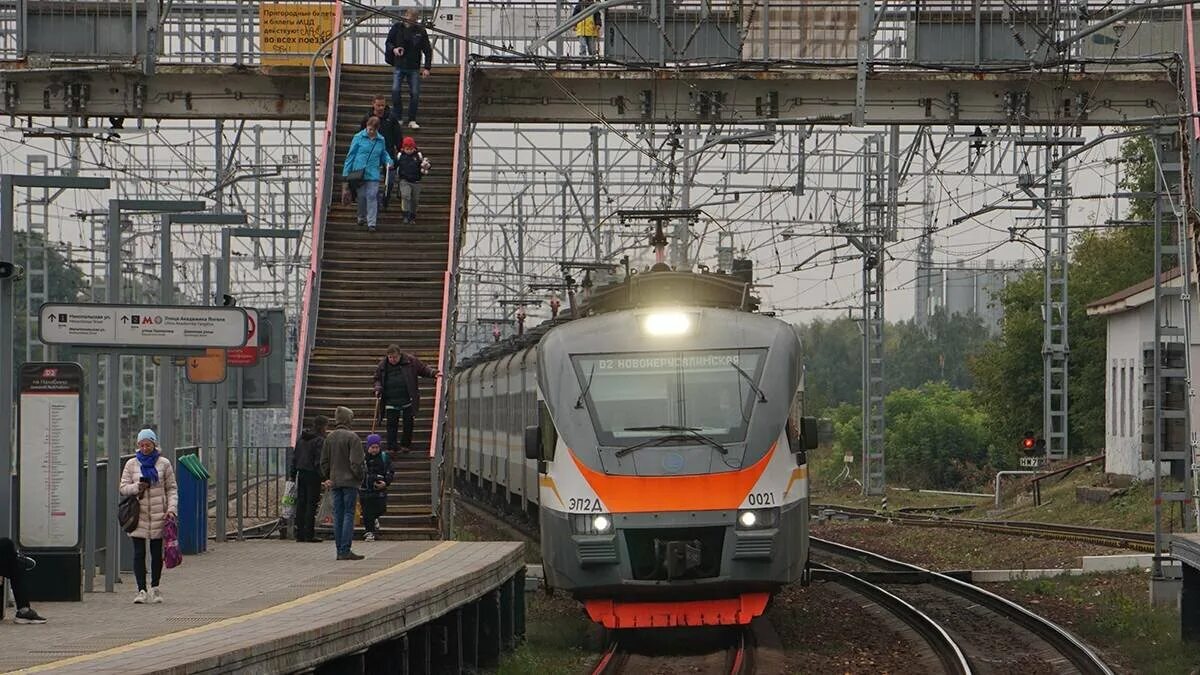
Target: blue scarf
column 149, row 470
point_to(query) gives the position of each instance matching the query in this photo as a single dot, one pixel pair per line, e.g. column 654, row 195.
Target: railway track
column 1124, row 539
column 990, row 633
column 641, row 652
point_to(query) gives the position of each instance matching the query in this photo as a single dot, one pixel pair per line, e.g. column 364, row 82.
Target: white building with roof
column 1130, row 317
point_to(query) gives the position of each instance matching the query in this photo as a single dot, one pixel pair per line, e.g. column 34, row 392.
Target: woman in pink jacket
column 151, row 477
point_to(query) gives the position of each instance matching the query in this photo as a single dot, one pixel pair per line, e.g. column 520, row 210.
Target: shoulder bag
column 128, row 512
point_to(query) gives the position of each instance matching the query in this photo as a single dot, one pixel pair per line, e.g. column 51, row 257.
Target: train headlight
column 591, row 523
column 666, row 323
column 757, row 519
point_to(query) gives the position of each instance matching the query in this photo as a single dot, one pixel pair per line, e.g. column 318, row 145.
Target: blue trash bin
column 193, row 505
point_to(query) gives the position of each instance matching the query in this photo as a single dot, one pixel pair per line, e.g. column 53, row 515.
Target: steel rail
column 1071, row 647
column 947, row 650
column 1128, row 539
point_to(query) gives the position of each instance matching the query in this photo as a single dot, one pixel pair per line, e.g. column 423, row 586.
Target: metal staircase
column 386, row 287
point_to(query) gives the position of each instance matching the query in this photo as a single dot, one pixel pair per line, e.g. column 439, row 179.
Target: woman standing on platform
column 151, row 477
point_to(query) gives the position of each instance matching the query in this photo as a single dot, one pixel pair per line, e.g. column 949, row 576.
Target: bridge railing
column 799, row 32
column 826, row 32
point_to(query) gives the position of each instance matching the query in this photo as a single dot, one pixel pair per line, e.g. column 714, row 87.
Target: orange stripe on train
column 702, row 492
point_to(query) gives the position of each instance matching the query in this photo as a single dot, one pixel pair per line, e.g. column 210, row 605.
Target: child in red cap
column 410, row 166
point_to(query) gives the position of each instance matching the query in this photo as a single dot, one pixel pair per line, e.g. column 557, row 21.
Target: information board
column 247, row 354
column 142, row 326
column 49, row 440
column 290, row 32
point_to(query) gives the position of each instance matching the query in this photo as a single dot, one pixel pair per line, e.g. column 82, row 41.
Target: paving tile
column 266, row 593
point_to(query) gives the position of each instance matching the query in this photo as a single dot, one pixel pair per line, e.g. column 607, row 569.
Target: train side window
column 549, row 433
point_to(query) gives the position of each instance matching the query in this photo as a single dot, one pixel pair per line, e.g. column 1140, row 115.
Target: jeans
column 139, row 562
column 308, row 493
column 587, row 45
column 413, row 79
column 410, row 194
column 343, row 517
column 368, row 202
column 393, row 421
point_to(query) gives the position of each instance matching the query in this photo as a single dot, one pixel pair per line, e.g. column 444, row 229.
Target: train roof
column 654, row 287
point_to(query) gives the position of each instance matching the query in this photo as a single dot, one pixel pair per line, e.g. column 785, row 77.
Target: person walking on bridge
column 368, row 152
column 406, row 43
column 343, row 469
column 396, row 387
column 587, row 29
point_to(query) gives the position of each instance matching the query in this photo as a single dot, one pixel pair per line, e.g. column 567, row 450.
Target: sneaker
column 140, row 598
column 370, row 536
column 361, row 222
column 156, row 596
column 370, row 228
column 413, row 125
column 27, row 615
column 354, row 556
column 314, row 540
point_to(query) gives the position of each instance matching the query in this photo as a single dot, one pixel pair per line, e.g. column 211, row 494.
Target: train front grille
column 664, row 554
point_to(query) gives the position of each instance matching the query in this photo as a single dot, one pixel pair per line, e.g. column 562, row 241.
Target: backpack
column 128, row 513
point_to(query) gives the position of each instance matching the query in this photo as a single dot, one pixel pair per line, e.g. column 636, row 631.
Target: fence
column 815, row 32
column 256, row 485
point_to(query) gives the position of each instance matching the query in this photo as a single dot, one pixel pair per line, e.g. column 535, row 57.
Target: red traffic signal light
column 1028, row 441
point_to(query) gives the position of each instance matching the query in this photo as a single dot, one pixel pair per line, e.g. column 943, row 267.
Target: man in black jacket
column 389, row 128
column 406, row 42
column 306, row 470
column 396, row 387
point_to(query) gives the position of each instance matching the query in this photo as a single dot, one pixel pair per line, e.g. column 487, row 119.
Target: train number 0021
column 584, row 504
column 762, row 498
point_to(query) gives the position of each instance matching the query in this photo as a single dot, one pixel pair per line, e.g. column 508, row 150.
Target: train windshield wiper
column 586, row 388
column 684, row 434
column 762, row 398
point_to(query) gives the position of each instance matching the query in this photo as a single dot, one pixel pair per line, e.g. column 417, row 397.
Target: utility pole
column 870, row 242
column 1055, row 340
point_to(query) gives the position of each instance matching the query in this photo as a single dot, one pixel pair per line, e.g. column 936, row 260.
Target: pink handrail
column 319, row 214
column 452, row 240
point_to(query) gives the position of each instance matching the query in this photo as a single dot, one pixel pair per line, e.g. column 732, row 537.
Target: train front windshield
column 712, row 391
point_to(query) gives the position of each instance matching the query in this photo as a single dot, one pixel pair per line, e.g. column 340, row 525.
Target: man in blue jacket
column 406, row 42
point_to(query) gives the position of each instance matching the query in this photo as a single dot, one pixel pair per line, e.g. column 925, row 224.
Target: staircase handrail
column 322, row 195
column 458, row 197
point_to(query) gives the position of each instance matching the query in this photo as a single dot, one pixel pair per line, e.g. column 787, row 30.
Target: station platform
column 1186, row 549
column 275, row 606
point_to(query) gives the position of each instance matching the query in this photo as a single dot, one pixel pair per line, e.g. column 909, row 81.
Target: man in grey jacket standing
column 342, row 469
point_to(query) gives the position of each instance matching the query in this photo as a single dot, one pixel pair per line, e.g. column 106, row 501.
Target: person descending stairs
column 384, row 287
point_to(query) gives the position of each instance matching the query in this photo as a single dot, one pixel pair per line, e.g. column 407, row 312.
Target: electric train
column 658, row 442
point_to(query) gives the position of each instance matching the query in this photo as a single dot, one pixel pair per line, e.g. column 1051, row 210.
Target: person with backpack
column 410, row 166
column 373, row 492
column 150, row 477
column 368, row 152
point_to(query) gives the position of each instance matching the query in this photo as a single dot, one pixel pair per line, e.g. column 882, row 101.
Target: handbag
column 129, row 511
column 288, row 502
column 172, row 556
column 355, row 178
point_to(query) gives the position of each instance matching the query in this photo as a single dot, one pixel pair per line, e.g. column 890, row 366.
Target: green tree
column 832, row 361
column 66, row 284
column 1008, row 373
column 936, row 437
column 940, row 352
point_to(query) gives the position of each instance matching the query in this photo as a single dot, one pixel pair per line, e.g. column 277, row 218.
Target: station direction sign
column 143, row 326
column 247, row 354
